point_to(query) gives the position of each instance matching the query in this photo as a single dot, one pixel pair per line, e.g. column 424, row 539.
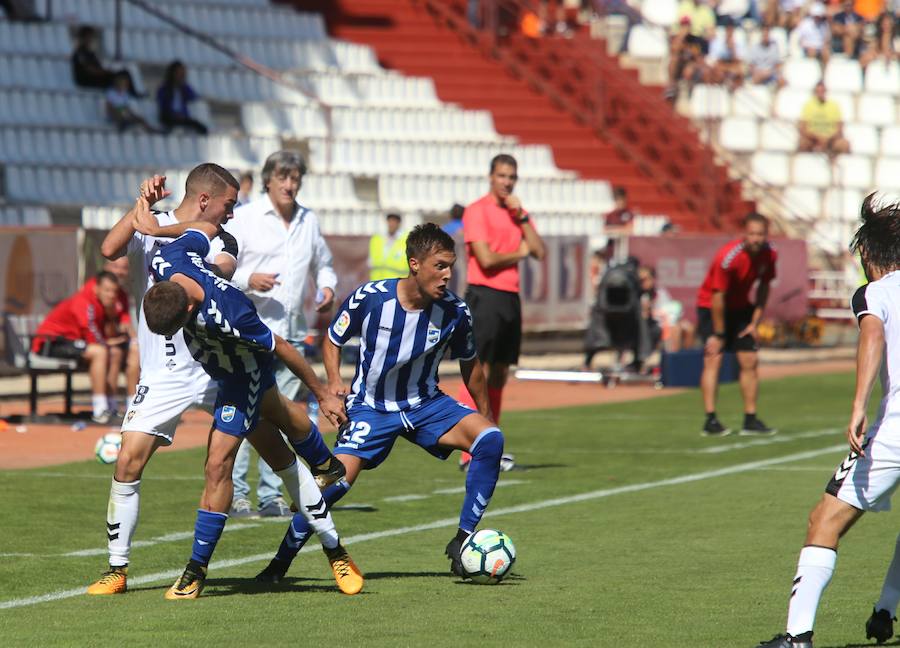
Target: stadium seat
column 887, row 174
column 863, row 138
column 801, row 73
column 878, row 110
column 647, row 42
column 710, row 102
column 739, row 134
column 853, row 171
column 663, row 13
column 883, row 78
column 778, row 135
column 802, row 202
column 847, row 104
column 752, row 101
column 811, row 170
column 843, row 75
column 789, row 103
column 842, row 204
column 890, row 140
column 771, row 168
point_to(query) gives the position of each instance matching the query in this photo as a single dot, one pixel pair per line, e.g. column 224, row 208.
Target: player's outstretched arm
column 473, row 376
column 115, row 244
column 331, row 356
column 329, row 404
column 868, row 361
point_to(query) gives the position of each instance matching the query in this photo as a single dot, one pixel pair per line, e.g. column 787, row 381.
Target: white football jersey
column 163, row 353
column 882, row 299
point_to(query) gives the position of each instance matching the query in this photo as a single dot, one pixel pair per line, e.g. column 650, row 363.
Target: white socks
column 121, row 519
column 890, row 591
column 814, row 570
column 307, row 497
column 100, row 404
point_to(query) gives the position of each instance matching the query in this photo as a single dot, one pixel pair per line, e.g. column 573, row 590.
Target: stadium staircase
column 543, row 91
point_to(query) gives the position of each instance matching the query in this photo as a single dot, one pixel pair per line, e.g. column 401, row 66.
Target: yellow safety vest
column 387, row 263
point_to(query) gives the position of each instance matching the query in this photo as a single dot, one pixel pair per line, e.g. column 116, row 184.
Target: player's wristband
column 721, row 336
column 524, row 219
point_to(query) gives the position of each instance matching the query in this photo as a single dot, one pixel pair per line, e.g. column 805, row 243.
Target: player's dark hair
column 393, row 215
column 504, row 158
column 619, row 192
column 878, row 238
column 755, row 217
column 457, row 211
column 427, row 238
column 282, row 162
column 211, row 178
column 109, row 276
column 166, row 308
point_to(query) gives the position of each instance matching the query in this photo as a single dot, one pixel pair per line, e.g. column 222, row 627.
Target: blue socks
column 299, row 530
column 484, row 470
column 313, row 449
column 207, row 531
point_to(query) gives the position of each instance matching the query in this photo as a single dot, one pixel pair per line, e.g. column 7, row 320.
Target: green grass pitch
column 675, row 540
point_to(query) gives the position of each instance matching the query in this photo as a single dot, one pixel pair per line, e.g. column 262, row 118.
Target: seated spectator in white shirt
column 764, row 61
column 120, row 108
column 783, row 13
column 814, row 34
column 726, row 59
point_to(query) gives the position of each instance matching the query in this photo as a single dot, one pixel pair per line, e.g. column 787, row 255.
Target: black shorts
column 63, row 348
column 497, row 317
column 736, row 320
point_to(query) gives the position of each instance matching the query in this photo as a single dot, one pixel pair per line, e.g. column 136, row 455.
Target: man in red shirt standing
column 727, row 319
column 498, row 233
column 75, row 329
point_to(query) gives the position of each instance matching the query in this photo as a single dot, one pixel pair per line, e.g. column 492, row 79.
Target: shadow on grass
column 524, row 467
column 867, row 644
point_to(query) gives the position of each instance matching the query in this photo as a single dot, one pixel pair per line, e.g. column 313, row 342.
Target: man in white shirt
column 280, row 247
column 814, row 34
column 765, row 60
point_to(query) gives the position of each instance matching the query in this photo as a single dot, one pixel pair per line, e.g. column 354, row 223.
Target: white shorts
column 868, row 482
column 163, row 397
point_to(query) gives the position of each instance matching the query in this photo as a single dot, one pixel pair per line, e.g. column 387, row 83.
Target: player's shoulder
column 372, row 292
column 456, row 302
column 871, row 297
column 729, row 253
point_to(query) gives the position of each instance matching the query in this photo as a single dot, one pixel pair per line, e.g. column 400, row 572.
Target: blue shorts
column 239, row 401
column 371, row 434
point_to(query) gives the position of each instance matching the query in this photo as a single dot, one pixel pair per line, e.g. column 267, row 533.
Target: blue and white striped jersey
column 400, row 350
column 226, row 335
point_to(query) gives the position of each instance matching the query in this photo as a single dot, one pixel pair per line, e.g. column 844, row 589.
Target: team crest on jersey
column 228, row 413
column 343, row 321
column 130, row 415
column 433, row 334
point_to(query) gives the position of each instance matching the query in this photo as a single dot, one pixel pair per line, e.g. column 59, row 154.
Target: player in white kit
column 867, row 478
column 171, row 380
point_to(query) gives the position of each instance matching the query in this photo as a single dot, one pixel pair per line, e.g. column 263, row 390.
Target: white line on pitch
column 448, row 491
column 769, row 440
column 452, row 522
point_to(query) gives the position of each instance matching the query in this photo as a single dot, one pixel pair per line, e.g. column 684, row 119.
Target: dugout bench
column 19, row 331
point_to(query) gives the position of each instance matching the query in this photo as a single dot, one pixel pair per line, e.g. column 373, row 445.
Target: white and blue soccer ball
column 107, row 448
column 487, row 556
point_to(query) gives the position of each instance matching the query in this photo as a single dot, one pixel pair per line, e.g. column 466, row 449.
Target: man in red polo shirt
column 727, row 319
column 75, row 329
column 498, row 233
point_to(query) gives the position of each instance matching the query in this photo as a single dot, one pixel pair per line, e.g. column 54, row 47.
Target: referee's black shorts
column 497, row 317
column 736, row 320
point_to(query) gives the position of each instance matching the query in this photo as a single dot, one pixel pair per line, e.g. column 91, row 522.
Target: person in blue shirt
column 173, row 99
column 406, row 327
column 224, row 333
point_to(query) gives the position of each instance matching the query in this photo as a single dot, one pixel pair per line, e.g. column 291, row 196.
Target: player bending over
column 406, row 326
column 223, row 331
column 865, row 480
column 171, row 380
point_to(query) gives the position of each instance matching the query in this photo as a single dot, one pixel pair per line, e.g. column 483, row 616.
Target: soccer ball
column 487, row 556
column 107, row 448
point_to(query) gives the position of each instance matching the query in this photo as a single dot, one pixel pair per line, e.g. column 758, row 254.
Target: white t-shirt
column 881, row 299
column 162, row 353
column 813, row 35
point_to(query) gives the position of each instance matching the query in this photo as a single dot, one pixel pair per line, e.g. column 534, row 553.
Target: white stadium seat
column 887, row 174
column 811, row 170
column 739, row 134
column 853, row 171
column 802, row 202
column 878, row 110
column 710, row 102
column 842, row 204
column 843, row 75
column 771, row 168
column 863, row 138
column 778, row 135
column 646, row 42
column 789, row 103
column 752, row 101
column 802, row 73
column 883, row 78
column 660, row 12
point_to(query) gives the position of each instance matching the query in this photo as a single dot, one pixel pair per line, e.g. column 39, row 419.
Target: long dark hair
column 878, row 238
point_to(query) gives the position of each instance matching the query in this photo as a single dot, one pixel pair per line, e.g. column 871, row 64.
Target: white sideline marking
column 452, row 522
column 770, row 440
column 448, row 491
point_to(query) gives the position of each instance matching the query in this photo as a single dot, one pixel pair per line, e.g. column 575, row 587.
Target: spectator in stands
column 703, row 20
column 245, row 194
column 455, row 223
column 736, row 10
column 120, row 108
column 870, row 9
column 20, row 10
column 387, row 252
column 846, row 31
column 621, row 219
column 882, row 44
column 814, row 34
column 87, row 70
column 764, row 61
column 685, row 59
column 821, row 125
column 173, row 99
column 121, row 337
column 726, row 59
column 783, row 13
column 74, row 330
column 666, row 314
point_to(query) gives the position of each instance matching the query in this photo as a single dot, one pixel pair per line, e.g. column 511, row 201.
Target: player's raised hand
column 856, row 431
column 333, row 409
column 143, row 219
column 512, row 202
column 154, row 189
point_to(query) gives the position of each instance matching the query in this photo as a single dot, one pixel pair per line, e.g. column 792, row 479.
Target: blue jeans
column 269, row 486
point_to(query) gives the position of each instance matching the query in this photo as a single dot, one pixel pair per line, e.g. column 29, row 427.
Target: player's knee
column 488, row 444
column 129, row 465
